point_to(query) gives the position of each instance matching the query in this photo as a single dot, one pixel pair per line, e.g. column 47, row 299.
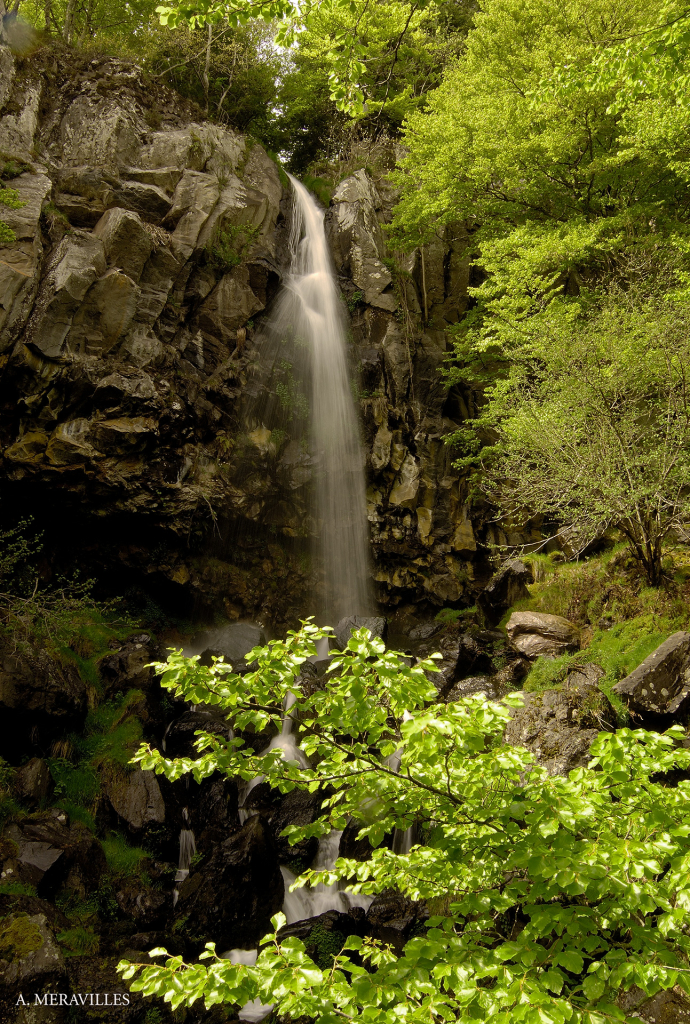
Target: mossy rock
column 19, row 936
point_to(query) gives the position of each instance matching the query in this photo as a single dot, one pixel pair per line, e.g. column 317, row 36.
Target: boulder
column 28, row 951
column 489, row 688
column 231, row 899
column 181, row 734
column 230, row 642
column 136, row 798
column 50, row 854
column 463, row 656
column 392, row 918
column 537, row 634
column 33, row 782
column 425, row 630
column 661, row 684
column 504, row 588
column 559, row 726
column 129, row 665
column 377, row 626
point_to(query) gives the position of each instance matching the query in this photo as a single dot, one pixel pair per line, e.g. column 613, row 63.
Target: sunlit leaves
column 556, row 893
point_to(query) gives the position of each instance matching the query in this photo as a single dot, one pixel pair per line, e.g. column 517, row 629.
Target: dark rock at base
column 180, row 737
column 33, row 782
column 324, row 936
column 504, row 588
column 40, row 700
column 393, row 918
column 425, row 630
column 296, row 808
column 535, row 634
column 559, row 726
column 29, row 953
column 136, row 798
column 661, row 684
column 231, row 900
column 147, row 908
column 359, row 849
column 50, row 854
column 488, row 688
column 377, row 626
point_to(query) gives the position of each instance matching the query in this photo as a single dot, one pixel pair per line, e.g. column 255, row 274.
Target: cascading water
column 306, row 403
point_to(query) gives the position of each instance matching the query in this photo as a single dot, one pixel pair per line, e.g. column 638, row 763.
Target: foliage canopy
column 560, row 891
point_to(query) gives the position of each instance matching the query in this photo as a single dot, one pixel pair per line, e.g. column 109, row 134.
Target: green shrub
column 78, row 941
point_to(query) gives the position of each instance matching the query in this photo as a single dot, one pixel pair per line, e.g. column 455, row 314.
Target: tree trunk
column 68, row 27
column 3, row 12
column 207, row 64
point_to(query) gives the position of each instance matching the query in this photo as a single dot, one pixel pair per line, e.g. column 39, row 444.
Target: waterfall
column 310, row 902
column 340, row 488
column 187, row 851
column 305, row 410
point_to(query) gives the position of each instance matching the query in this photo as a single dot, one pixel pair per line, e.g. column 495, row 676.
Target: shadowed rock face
column 232, row 898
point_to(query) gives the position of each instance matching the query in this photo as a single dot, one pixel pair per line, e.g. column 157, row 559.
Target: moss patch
column 19, row 936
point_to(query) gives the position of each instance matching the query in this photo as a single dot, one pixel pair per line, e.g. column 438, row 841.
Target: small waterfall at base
column 187, row 851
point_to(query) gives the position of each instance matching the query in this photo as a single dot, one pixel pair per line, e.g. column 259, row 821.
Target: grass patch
column 122, row 858
column 17, row 889
column 622, row 619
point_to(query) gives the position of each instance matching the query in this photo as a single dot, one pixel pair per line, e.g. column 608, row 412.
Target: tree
column 552, row 894
column 590, row 425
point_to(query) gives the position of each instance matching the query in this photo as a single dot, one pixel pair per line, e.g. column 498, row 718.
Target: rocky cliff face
column 148, row 248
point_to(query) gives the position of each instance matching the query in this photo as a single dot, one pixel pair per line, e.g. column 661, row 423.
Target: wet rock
column 180, row 737
column 33, row 782
column 537, row 634
column 360, row 246
column 324, row 935
column 393, row 918
column 425, row 630
column 377, row 626
column 661, row 684
column 232, row 898
column 50, row 853
column 474, row 686
column 296, row 808
column 505, row 587
column 559, row 726
column 136, row 798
